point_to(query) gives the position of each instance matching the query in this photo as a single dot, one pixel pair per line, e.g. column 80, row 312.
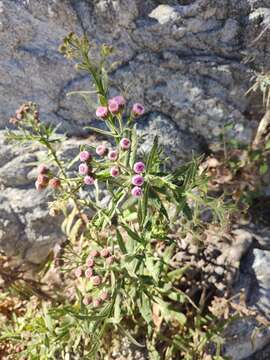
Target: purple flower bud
column 139, row 167
column 120, row 100
column 101, row 150
column 55, row 183
column 43, row 180
column 104, row 295
column 136, row 191
column 89, row 273
column 113, row 106
column 110, row 260
column 113, row 155
column 96, row 280
column 85, row 156
column 105, row 252
column 94, row 253
column 87, row 300
column 96, row 303
column 79, row 272
column 42, row 169
column 102, row 112
column 83, row 169
column 125, row 143
column 138, row 109
column 90, row 261
column 39, row 186
column 89, row 180
column 114, row 171
column 137, row 180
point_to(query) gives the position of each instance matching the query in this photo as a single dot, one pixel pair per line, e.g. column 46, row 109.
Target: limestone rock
column 182, row 59
column 246, row 336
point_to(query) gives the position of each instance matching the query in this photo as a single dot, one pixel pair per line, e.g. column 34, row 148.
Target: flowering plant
column 121, row 254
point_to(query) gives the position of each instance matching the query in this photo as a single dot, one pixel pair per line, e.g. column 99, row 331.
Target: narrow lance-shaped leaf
column 152, row 154
column 121, row 242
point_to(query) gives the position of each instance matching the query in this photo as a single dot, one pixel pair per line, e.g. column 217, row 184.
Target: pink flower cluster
column 116, row 105
column 95, row 258
column 138, row 180
column 45, row 178
column 113, row 156
column 85, row 168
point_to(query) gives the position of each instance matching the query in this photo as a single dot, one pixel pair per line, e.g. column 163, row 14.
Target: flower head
column 94, row 253
column 113, row 155
column 137, row 180
column 42, row 169
column 101, row 150
column 87, row 300
column 83, row 169
column 96, row 303
column 79, row 272
column 136, row 191
column 43, row 179
column 138, row 109
column 85, row 156
column 125, row 143
column 114, row 171
column 89, row 273
column 110, row 260
column 114, row 107
column 104, row 295
column 139, row 167
column 88, row 180
column 90, row 261
column 39, row 186
column 96, row 280
column 102, row 112
column 55, row 183
column 105, row 252
column 120, row 100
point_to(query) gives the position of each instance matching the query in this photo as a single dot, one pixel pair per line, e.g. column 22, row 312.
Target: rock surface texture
column 189, row 61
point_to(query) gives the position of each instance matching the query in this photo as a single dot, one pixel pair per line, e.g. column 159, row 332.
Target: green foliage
column 145, row 292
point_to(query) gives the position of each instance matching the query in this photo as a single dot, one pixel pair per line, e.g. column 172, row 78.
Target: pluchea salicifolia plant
column 125, row 214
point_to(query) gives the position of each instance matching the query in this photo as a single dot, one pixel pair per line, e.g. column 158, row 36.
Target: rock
column 246, row 336
column 183, row 60
column 171, row 138
column 164, row 13
column 26, row 228
column 244, row 339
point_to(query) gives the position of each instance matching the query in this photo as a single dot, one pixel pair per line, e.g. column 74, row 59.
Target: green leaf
column 75, row 230
column 100, row 131
column 152, row 154
column 131, row 338
column 139, row 213
column 133, row 234
column 131, row 267
column 263, row 169
column 117, row 309
column 168, row 253
column 267, row 145
column 47, row 319
column 144, row 202
column 177, row 274
column 134, row 145
column 121, row 242
column 145, row 307
column 169, row 313
column 153, row 268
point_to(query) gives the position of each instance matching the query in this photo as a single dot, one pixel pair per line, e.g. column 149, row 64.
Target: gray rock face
column 182, row 59
column 246, row 336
